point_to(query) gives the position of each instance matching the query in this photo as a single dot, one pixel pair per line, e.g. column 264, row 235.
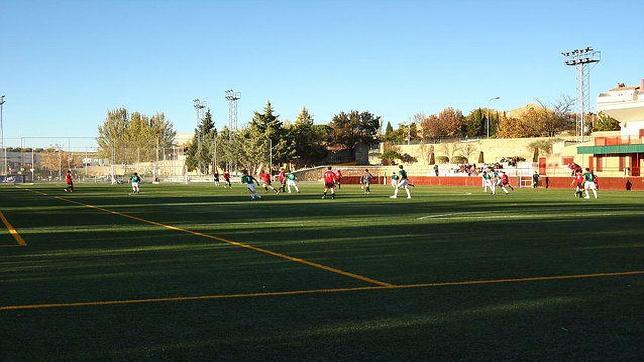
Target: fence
column 42, row 159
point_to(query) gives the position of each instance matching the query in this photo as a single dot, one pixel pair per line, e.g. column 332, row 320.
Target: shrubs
column 459, row 159
column 442, row 159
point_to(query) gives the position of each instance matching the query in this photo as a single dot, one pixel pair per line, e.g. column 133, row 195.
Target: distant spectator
column 436, row 169
column 629, row 185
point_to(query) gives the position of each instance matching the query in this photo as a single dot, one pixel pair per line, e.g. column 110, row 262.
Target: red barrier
column 605, row 183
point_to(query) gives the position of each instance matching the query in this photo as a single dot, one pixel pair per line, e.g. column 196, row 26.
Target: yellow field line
column 231, row 242
column 313, row 291
column 12, row 231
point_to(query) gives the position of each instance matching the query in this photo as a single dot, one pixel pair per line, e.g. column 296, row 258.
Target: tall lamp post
column 4, row 164
column 199, row 107
column 487, row 119
column 582, row 60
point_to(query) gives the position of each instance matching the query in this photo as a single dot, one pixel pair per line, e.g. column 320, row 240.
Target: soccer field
column 198, row 272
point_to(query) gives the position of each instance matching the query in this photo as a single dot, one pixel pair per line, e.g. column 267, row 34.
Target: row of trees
column 126, row 137
column 449, row 123
column 532, row 121
column 268, row 140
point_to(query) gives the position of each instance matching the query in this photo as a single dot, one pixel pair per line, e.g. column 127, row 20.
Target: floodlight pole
column 581, row 59
column 199, row 106
column 487, row 119
column 4, row 164
column 233, row 98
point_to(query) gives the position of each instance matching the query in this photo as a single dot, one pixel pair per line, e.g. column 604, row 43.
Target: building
column 622, row 150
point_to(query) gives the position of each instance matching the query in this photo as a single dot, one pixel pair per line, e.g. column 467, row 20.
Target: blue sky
column 63, row 64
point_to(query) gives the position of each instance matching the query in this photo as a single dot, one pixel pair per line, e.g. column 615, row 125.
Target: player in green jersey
column 402, row 183
column 291, row 180
column 394, row 180
column 589, row 183
column 135, row 180
column 250, row 183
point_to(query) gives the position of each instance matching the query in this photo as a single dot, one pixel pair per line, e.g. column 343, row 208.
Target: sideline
column 314, row 291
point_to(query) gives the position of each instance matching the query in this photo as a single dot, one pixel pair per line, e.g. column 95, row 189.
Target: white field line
column 475, row 215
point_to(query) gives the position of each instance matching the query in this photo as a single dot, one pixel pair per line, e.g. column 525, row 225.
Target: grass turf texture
column 80, row 254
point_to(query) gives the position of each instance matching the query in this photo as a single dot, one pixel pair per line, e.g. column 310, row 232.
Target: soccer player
column 291, row 180
column 494, row 179
column 338, row 178
column 227, row 179
column 135, row 180
column 215, row 177
column 69, row 182
column 578, row 181
column 487, row 183
column 401, row 183
column 365, row 180
column 281, row 176
column 505, row 183
column 330, row 178
column 589, row 183
column 265, row 177
column 535, row 180
column 394, row 180
column 250, row 182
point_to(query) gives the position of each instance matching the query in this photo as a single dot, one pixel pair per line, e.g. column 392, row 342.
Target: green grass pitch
column 197, row 272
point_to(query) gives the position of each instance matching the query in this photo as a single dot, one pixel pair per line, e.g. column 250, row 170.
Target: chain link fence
column 47, row 159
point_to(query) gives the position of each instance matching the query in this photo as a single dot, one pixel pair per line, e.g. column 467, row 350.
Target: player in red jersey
column 227, row 179
column 265, row 178
column 578, row 182
column 505, row 183
column 338, row 178
column 330, row 178
column 281, row 177
column 69, row 182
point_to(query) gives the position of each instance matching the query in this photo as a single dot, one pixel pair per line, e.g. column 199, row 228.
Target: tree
column 353, row 128
column 391, row 153
column 452, row 122
column 113, row 136
column 127, row 138
column 267, row 126
column 604, row 122
column 199, row 155
column 430, row 128
column 475, row 124
column 541, row 147
column 428, row 153
column 534, row 122
column 449, row 123
column 389, row 131
column 307, row 140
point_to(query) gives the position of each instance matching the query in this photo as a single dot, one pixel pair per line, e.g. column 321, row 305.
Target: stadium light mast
column 4, row 164
column 199, row 107
column 582, row 59
column 233, row 98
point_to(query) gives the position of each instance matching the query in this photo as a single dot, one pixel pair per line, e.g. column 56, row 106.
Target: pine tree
column 199, row 154
column 267, row 126
column 389, row 131
column 308, row 142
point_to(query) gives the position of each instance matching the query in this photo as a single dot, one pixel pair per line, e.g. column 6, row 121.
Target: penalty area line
column 314, row 291
column 12, row 230
column 231, row 242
